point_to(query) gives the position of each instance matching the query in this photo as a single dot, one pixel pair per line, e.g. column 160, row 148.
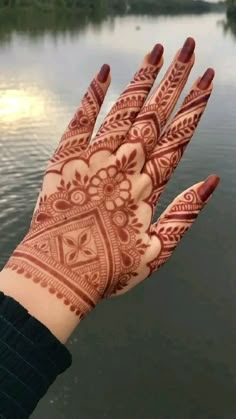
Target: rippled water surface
column 168, row 349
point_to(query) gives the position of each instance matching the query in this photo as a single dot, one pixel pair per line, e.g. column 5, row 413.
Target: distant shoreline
column 108, row 7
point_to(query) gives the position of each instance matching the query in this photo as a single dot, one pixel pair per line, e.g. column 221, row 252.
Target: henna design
column 154, row 115
column 124, row 112
column 90, row 236
column 170, row 148
column 79, row 131
column 173, row 224
column 84, row 237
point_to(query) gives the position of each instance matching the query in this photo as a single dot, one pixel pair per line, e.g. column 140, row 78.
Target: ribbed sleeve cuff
column 31, row 358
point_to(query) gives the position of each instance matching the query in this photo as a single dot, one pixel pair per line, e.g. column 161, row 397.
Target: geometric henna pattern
column 88, row 233
column 91, row 235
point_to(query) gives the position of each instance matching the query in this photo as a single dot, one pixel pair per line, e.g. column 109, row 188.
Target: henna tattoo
column 171, row 227
column 124, row 112
column 170, row 148
column 78, row 134
column 154, row 115
column 84, row 237
column 90, row 235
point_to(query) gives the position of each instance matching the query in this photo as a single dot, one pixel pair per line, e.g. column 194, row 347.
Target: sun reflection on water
column 16, row 104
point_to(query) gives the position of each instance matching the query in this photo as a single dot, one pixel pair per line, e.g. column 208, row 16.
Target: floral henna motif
column 113, row 131
column 85, row 239
column 91, row 235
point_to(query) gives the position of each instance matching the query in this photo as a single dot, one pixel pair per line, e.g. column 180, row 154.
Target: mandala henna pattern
column 84, row 242
column 91, row 235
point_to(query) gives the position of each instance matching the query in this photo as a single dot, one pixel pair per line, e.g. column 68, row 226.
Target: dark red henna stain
column 104, row 73
column 156, row 54
column 87, row 240
column 206, row 79
column 187, row 50
column 152, row 119
column 173, row 142
column 208, row 187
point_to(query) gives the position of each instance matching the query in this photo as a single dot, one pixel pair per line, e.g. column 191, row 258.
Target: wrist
column 39, row 303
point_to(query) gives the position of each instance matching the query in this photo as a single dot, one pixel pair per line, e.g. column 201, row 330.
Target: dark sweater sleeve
column 31, row 358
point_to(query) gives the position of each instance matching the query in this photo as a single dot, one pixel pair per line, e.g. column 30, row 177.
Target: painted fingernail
column 208, row 187
column 104, row 73
column 156, row 54
column 206, row 79
column 187, row 50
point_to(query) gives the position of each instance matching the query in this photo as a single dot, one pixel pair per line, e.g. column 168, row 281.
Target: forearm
column 39, row 303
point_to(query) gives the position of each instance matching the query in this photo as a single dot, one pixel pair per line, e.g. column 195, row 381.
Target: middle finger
column 158, row 108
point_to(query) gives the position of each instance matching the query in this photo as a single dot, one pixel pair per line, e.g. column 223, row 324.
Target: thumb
column 178, row 218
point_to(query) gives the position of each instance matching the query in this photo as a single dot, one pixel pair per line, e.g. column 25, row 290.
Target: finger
column 79, row 131
column 169, row 229
column 123, row 113
column 170, row 148
column 158, row 108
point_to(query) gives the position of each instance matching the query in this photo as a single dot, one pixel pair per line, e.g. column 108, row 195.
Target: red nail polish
column 187, row 50
column 104, row 73
column 208, row 187
column 156, row 54
column 206, row 79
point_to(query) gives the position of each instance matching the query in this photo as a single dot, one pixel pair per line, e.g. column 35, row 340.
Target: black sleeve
column 31, row 358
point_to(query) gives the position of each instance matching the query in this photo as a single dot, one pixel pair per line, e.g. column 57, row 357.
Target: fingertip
column 208, row 187
column 206, row 80
column 156, row 54
column 104, row 73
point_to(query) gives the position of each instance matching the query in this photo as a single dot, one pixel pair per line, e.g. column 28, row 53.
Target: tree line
column 118, row 6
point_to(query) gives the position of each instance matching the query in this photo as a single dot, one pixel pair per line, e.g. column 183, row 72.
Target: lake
column 166, row 350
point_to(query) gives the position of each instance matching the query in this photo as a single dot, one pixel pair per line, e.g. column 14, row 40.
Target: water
column 167, row 350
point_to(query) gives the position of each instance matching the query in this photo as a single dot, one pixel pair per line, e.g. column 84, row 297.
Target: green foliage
column 231, row 9
column 179, row 6
column 118, row 6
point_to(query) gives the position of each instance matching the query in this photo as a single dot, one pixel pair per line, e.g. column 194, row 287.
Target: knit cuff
column 31, row 358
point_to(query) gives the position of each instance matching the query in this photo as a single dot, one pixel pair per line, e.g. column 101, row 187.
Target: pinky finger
column 178, row 218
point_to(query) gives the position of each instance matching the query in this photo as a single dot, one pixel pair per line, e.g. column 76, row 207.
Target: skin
column 91, row 235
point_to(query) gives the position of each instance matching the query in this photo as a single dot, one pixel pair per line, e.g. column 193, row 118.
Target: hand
column 91, row 235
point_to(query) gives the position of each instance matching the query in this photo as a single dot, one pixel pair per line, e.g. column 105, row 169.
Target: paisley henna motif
column 91, row 235
column 86, row 236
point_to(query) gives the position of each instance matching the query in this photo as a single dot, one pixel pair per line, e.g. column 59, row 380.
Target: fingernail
column 187, row 50
column 206, row 79
column 208, row 187
column 156, row 54
column 104, row 73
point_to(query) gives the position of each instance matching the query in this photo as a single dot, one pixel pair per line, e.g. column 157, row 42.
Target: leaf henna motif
column 91, row 235
column 171, row 227
column 173, row 142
